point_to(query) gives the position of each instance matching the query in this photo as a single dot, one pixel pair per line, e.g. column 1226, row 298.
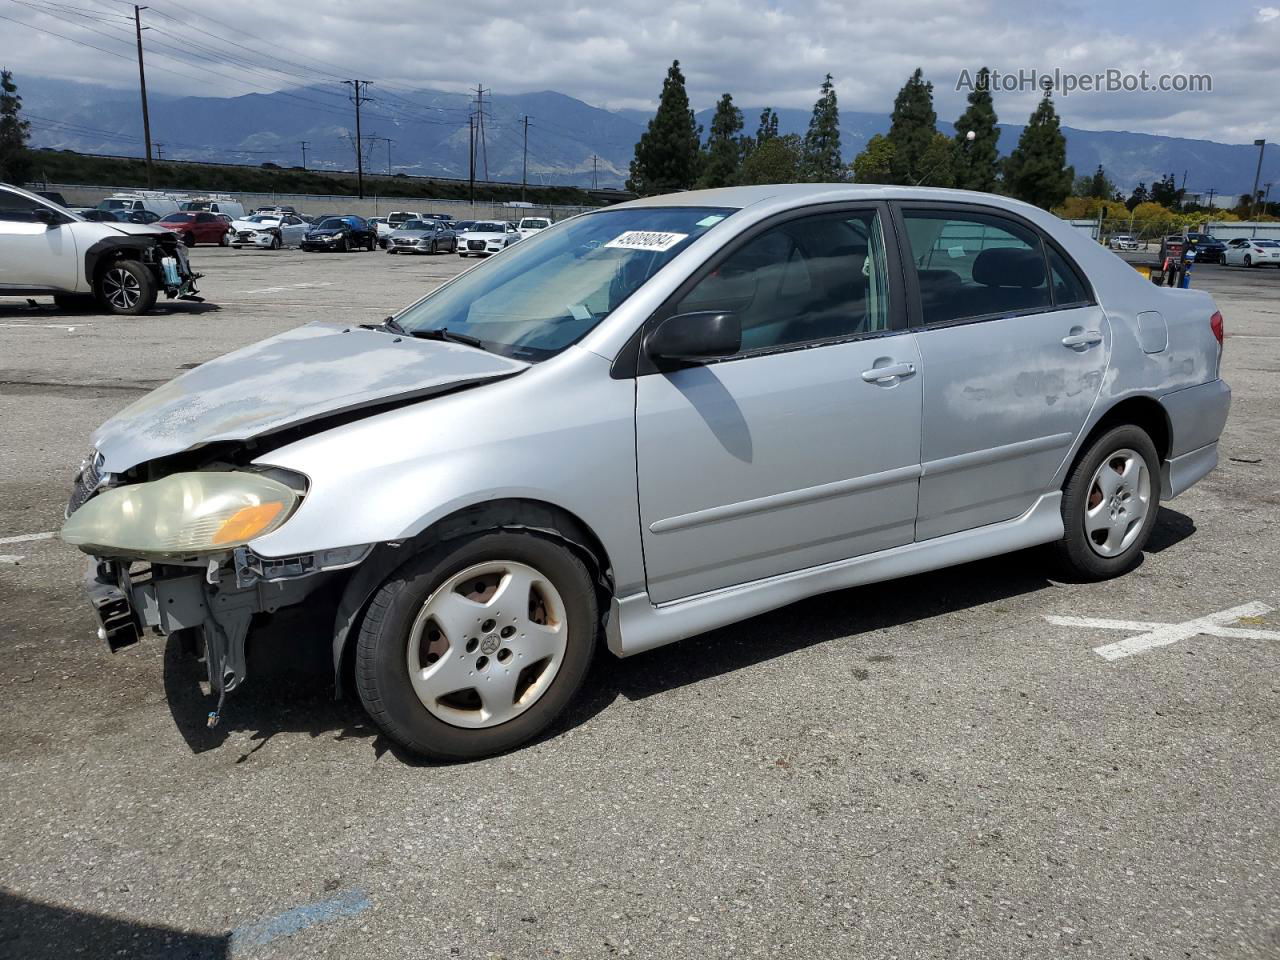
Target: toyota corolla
column 644, row 423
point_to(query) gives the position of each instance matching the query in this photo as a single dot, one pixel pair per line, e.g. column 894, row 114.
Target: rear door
column 803, row 449
column 1014, row 361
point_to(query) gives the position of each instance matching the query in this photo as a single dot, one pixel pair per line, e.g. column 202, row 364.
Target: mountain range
column 569, row 141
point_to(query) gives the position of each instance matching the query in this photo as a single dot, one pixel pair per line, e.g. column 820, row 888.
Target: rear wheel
column 1109, row 505
column 477, row 645
column 1248, row 260
column 126, row 287
column 189, row 239
column 342, row 245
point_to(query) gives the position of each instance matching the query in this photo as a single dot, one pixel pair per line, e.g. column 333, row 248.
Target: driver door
column 35, row 255
column 798, row 451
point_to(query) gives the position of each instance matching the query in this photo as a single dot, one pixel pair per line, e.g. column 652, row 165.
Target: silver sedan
column 647, row 422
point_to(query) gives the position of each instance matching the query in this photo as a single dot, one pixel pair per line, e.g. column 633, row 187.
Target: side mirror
column 695, row 337
column 46, row 216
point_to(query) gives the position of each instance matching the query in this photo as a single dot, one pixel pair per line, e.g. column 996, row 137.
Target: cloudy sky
column 614, row 53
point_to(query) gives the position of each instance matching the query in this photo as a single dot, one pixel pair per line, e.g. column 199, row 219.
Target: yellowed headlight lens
column 181, row 514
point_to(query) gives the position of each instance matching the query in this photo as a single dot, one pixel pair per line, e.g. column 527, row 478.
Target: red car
column 198, row 227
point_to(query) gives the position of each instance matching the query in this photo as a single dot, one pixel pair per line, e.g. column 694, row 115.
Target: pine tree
column 15, row 160
column 669, row 150
column 724, row 146
column 874, row 163
column 977, row 163
column 912, row 128
column 768, row 128
column 1138, row 196
column 822, row 162
column 1037, row 170
column 1099, row 185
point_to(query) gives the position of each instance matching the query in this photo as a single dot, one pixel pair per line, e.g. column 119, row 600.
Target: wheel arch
column 538, row 516
column 1141, row 411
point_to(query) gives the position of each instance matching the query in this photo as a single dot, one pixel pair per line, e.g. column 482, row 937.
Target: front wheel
column 1109, row 505
column 342, row 245
column 276, row 242
column 224, row 240
column 477, row 645
column 189, row 239
column 1248, row 260
column 126, row 287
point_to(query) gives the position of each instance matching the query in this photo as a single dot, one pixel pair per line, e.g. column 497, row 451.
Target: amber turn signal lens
column 246, row 523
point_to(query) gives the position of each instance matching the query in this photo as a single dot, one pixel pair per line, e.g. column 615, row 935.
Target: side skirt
column 636, row 625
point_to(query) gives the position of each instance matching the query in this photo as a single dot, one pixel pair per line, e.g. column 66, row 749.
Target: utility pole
column 142, row 83
column 159, row 150
column 479, row 129
column 524, row 166
column 1212, row 191
column 595, row 166
column 357, row 98
column 471, row 161
column 1266, row 198
column 303, row 144
column 389, row 142
column 1253, row 197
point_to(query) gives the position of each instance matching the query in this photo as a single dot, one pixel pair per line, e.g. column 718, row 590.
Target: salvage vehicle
column 47, row 250
column 422, row 236
column 1246, row 252
column 196, row 228
column 340, row 234
column 269, row 231
column 486, row 237
column 650, row 421
column 1205, row 248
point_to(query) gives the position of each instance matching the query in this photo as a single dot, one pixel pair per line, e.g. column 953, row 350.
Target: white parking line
column 1163, row 634
column 28, row 537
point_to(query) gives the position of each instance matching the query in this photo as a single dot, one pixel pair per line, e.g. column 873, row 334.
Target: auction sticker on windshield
column 646, row 240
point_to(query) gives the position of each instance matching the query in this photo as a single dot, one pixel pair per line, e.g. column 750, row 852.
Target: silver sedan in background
column 422, row 236
column 647, row 422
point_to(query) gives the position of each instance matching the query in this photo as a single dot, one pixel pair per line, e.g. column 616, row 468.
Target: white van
column 225, row 205
column 397, row 217
column 158, row 203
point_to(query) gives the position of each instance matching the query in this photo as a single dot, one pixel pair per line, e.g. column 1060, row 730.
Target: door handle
column 1087, row 338
column 889, row 372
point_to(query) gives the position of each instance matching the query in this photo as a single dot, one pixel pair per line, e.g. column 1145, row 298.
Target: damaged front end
column 160, row 251
column 170, row 556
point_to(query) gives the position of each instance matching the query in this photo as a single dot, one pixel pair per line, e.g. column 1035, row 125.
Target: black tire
column 434, row 248
column 189, row 239
column 126, row 287
column 276, row 242
column 341, row 245
column 1248, row 260
column 461, row 254
column 1075, row 553
column 224, row 240
column 391, row 250
column 370, row 244
column 381, row 666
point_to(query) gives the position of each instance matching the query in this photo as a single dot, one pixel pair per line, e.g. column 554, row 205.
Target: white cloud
column 615, row 54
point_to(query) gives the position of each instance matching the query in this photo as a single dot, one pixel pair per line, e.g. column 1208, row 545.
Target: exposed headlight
column 181, row 514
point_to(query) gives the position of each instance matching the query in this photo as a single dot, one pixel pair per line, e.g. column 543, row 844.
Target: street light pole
column 1253, row 197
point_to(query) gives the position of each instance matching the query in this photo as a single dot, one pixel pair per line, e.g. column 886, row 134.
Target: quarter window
column 975, row 266
column 817, row 278
column 1068, row 289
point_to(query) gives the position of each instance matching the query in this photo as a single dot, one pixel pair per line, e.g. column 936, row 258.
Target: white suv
column 47, row 250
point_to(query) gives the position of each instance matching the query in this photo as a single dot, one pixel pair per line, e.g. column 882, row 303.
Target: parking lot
column 941, row 766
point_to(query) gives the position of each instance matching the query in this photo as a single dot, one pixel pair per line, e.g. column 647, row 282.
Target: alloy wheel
column 487, row 644
column 1118, row 502
column 121, row 289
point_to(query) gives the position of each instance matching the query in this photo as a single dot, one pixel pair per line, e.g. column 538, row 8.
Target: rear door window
column 971, row 266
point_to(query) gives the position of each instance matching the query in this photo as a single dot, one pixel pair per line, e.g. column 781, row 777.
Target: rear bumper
column 1197, row 416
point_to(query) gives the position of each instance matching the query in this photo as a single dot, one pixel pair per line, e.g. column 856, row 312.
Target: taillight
column 1215, row 324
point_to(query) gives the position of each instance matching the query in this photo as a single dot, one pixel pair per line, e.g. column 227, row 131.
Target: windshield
column 546, row 293
column 115, row 205
column 535, row 224
column 488, row 228
column 416, row 225
column 331, row 223
column 264, row 218
column 1265, row 243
